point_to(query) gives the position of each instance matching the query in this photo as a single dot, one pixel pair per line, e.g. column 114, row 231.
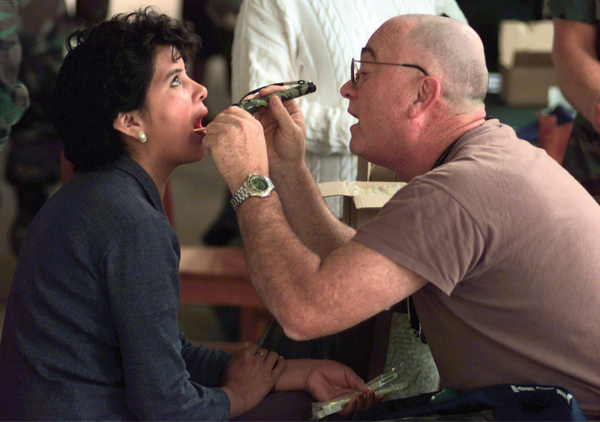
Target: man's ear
column 428, row 93
column 128, row 124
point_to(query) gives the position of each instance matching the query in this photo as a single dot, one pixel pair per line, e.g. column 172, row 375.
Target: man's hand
column 249, row 376
column 326, row 380
column 285, row 131
column 236, row 142
column 329, row 379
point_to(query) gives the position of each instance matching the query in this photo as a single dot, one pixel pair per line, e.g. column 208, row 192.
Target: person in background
column 91, row 331
column 33, row 161
column 14, row 96
column 497, row 244
column 575, row 54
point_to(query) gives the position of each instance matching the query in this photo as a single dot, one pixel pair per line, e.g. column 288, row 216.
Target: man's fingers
column 285, row 120
column 361, row 403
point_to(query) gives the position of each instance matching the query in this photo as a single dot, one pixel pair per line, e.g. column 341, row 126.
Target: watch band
column 255, row 185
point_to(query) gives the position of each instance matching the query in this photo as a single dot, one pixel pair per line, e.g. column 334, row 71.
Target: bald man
column 498, row 245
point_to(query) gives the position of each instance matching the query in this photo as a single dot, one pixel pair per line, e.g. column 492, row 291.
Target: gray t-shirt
column 510, row 244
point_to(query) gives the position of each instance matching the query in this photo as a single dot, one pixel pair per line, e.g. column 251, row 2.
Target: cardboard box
column 369, row 172
column 525, row 60
column 362, row 200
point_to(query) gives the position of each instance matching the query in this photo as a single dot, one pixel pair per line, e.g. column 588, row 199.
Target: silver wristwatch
column 255, row 185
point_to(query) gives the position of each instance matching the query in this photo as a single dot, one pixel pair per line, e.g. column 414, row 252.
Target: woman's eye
column 175, row 81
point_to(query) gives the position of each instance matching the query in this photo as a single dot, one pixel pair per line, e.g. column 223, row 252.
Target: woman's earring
column 142, row 136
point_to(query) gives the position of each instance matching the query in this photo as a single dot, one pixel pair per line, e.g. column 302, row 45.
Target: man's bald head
column 449, row 50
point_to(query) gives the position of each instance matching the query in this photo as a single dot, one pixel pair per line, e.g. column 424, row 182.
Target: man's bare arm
column 307, row 214
column 577, row 67
column 311, row 297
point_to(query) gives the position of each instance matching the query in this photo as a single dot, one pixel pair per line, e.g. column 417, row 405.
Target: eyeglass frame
column 257, row 90
column 353, row 67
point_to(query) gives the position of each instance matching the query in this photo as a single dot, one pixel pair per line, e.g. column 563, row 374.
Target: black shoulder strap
column 415, row 325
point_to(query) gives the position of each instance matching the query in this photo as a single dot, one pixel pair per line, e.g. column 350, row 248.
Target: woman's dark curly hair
column 108, row 70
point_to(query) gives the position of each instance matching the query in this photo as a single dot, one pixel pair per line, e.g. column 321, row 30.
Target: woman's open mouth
column 198, row 126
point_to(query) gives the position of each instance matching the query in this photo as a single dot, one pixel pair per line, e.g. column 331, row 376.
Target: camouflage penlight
column 255, row 104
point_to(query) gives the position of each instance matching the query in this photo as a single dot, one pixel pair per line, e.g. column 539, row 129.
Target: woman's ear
column 128, row 124
column 428, row 93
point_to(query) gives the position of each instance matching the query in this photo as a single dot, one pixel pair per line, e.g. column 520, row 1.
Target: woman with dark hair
column 91, row 323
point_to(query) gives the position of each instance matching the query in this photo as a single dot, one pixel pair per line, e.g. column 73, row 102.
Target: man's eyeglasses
column 354, row 69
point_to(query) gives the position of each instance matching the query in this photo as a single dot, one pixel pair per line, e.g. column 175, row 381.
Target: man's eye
column 175, row 81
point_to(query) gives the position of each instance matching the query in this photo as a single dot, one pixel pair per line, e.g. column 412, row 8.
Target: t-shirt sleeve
column 143, row 287
column 425, row 230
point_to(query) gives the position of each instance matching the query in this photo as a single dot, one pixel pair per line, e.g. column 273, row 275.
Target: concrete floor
column 198, row 196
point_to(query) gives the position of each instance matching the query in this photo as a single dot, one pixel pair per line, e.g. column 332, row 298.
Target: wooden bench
column 217, row 276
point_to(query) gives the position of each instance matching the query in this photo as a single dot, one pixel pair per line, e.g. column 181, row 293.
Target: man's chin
column 355, row 147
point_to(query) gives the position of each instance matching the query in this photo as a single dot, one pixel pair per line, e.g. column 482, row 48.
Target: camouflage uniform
column 14, row 98
column 33, row 163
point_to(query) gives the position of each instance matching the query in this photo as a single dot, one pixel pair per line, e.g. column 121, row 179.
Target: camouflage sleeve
column 14, row 98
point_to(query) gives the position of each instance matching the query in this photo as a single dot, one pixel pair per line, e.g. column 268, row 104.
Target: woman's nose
column 201, row 91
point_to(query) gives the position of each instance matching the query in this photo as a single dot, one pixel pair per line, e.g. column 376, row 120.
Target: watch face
column 258, row 183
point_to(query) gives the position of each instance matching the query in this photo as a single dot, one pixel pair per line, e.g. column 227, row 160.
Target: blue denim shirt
column 91, row 326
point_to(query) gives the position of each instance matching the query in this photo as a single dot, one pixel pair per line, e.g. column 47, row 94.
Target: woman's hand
column 249, row 376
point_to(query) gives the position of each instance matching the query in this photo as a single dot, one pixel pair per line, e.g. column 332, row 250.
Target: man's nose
column 347, row 90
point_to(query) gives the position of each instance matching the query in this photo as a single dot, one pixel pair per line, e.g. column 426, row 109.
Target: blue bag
column 504, row 402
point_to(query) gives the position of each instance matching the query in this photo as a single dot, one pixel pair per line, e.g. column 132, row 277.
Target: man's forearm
column 313, row 296
column 577, row 65
column 284, row 271
column 295, row 374
column 307, row 213
column 579, row 80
